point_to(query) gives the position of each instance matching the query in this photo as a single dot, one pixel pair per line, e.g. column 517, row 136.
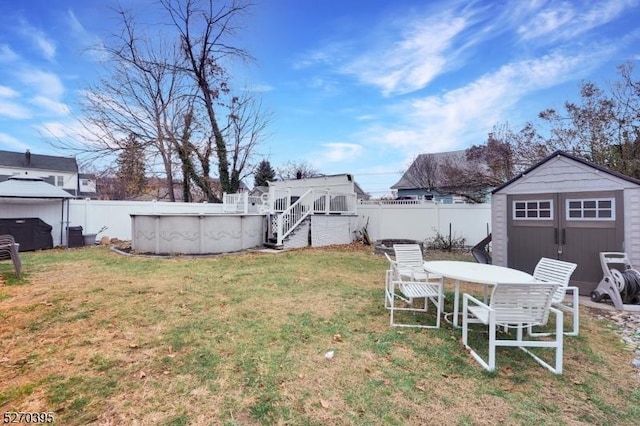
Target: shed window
column 591, row 209
column 533, row 210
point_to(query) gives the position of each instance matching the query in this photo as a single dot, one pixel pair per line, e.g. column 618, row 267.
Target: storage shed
column 570, row 209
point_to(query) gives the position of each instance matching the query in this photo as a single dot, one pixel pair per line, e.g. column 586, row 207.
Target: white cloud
column 327, row 55
column 55, row 129
column 13, row 110
column 43, row 83
column 325, row 85
column 40, row 40
column 47, row 47
column 50, row 105
column 259, row 88
column 402, row 55
column 74, row 23
column 7, row 92
column 466, row 114
column 565, row 21
column 12, row 143
column 6, row 54
column 341, row 151
column 73, row 133
column 90, row 41
column 423, row 50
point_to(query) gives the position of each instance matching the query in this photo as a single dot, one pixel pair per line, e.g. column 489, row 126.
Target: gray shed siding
column 499, row 229
column 561, row 174
column 632, row 225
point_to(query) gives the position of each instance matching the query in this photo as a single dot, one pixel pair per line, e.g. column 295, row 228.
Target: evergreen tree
column 131, row 168
column 264, row 173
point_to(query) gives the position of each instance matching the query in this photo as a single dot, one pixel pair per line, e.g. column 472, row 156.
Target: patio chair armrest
column 480, row 310
column 571, row 288
column 556, row 311
column 466, row 297
column 559, row 319
column 391, row 261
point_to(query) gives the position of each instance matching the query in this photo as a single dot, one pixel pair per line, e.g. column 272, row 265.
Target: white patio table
column 478, row 273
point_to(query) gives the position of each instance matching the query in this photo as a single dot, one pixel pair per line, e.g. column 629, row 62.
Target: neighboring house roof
column 360, row 194
column 23, row 187
column 259, row 190
column 574, row 158
column 28, row 160
column 90, row 176
column 406, row 182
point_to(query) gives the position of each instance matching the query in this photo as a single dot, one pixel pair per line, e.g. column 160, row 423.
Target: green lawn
column 101, row 338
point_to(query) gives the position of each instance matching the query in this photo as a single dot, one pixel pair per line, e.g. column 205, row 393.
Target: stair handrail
column 292, row 216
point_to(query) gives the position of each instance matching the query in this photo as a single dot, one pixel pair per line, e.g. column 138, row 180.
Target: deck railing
column 242, row 203
column 287, row 215
column 312, row 202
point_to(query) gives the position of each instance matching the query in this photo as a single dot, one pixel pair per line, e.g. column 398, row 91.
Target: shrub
column 444, row 242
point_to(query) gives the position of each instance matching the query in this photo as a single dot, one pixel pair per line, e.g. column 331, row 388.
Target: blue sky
column 355, row 87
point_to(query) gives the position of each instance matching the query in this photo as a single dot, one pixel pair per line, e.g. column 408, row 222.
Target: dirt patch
column 386, row 245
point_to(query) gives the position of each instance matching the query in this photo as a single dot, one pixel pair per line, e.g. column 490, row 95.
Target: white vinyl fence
column 386, row 220
column 419, row 221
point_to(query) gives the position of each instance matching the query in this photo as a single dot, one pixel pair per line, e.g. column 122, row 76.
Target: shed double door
column 574, row 227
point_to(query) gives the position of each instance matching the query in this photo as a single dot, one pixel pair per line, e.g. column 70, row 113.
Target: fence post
column 327, row 202
column 86, row 215
column 245, row 195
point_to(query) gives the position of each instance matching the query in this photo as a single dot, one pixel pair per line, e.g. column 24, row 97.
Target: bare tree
column 424, row 172
column 204, row 28
column 587, row 128
column 246, row 126
column 603, row 127
column 140, row 94
column 625, row 152
column 468, row 177
column 173, row 95
column 296, row 170
column 449, row 174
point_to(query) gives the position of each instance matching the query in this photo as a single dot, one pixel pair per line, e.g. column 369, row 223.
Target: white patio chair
column 406, row 292
column 558, row 271
column 390, row 274
column 409, row 268
column 410, row 263
column 518, row 306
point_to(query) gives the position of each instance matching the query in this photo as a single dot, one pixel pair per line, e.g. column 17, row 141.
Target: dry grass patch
column 101, row 338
